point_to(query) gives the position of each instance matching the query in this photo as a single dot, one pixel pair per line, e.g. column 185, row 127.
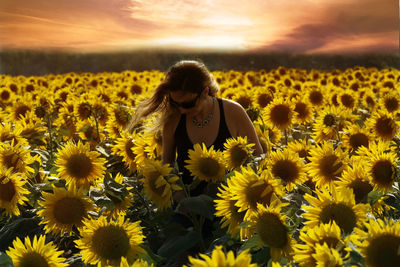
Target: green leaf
column 253, row 242
column 373, row 196
column 5, row 260
column 178, row 245
column 202, row 205
column 20, row 227
column 115, row 189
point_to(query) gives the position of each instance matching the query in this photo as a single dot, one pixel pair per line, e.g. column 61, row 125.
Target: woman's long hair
column 188, row 76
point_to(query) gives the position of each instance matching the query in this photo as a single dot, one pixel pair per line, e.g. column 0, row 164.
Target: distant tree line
column 30, row 62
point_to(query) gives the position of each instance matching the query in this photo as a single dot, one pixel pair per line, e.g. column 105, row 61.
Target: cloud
column 346, row 22
column 300, row 26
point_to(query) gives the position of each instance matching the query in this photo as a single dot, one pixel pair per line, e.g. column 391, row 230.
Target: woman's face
column 187, row 103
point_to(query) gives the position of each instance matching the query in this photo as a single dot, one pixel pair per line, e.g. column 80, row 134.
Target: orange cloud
column 301, row 26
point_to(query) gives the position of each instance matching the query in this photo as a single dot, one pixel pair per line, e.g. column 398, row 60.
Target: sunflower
column 356, row 137
column 206, row 164
column 64, row 209
column 347, row 99
column 11, row 132
column 78, row 165
column 22, row 108
column 328, row 234
column 12, row 192
column 383, row 125
column 118, row 120
column 380, row 243
column 329, row 122
column 369, row 101
column 301, row 147
column 380, row 163
column 287, row 167
column 326, row 256
column 158, row 183
column 279, row 113
column 225, row 207
column 262, row 97
column 356, row 177
column 145, row 148
column 249, row 188
column 237, row 151
column 338, row 206
column 123, row 147
column 105, row 243
column 391, row 102
column 218, row 259
column 326, row 164
column 36, row 253
column 270, row 226
column 16, row 157
column 303, row 111
column 6, row 95
column 83, row 109
column 315, row 97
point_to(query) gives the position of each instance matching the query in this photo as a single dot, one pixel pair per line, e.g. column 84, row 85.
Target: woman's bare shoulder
column 232, row 107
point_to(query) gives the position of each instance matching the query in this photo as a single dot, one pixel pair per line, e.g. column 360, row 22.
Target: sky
column 299, row 26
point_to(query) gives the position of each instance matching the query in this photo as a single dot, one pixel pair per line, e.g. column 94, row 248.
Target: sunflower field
column 77, row 189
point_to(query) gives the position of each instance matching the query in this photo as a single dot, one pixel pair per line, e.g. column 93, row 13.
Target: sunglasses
column 186, row 104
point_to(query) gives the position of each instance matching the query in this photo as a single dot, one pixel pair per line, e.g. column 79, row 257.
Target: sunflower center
column 383, row 251
column 33, row 259
column 128, row 149
column 391, row 104
column 121, row 117
column 271, row 230
column 7, row 191
column 11, row 160
column 316, row 98
column 280, row 115
column 5, row 95
column 361, row 189
column 382, row 172
column 263, row 100
column 286, row 170
column 384, row 127
column 329, row 120
column 254, row 194
column 357, row 140
column 84, row 110
column 347, row 100
column 238, row 155
column 237, row 216
column 340, row 213
column 79, row 166
column 330, row 166
column 244, row 101
column 301, row 109
column 110, row 242
column 21, row 111
column 330, row 241
column 209, row 167
column 303, row 153
column 69, row 210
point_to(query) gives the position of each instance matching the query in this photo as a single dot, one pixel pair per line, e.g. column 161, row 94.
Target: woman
column 191, row 113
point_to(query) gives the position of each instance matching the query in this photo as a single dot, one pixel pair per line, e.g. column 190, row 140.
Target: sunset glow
column 306, row 26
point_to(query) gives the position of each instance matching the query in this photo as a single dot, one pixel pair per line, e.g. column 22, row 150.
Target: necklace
column 201, row 124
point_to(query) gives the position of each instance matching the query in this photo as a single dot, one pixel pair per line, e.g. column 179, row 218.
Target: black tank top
column 183, row 143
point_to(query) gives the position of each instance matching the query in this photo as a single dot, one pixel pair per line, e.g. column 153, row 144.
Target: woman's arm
column 168, row 142
column 243, row 126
